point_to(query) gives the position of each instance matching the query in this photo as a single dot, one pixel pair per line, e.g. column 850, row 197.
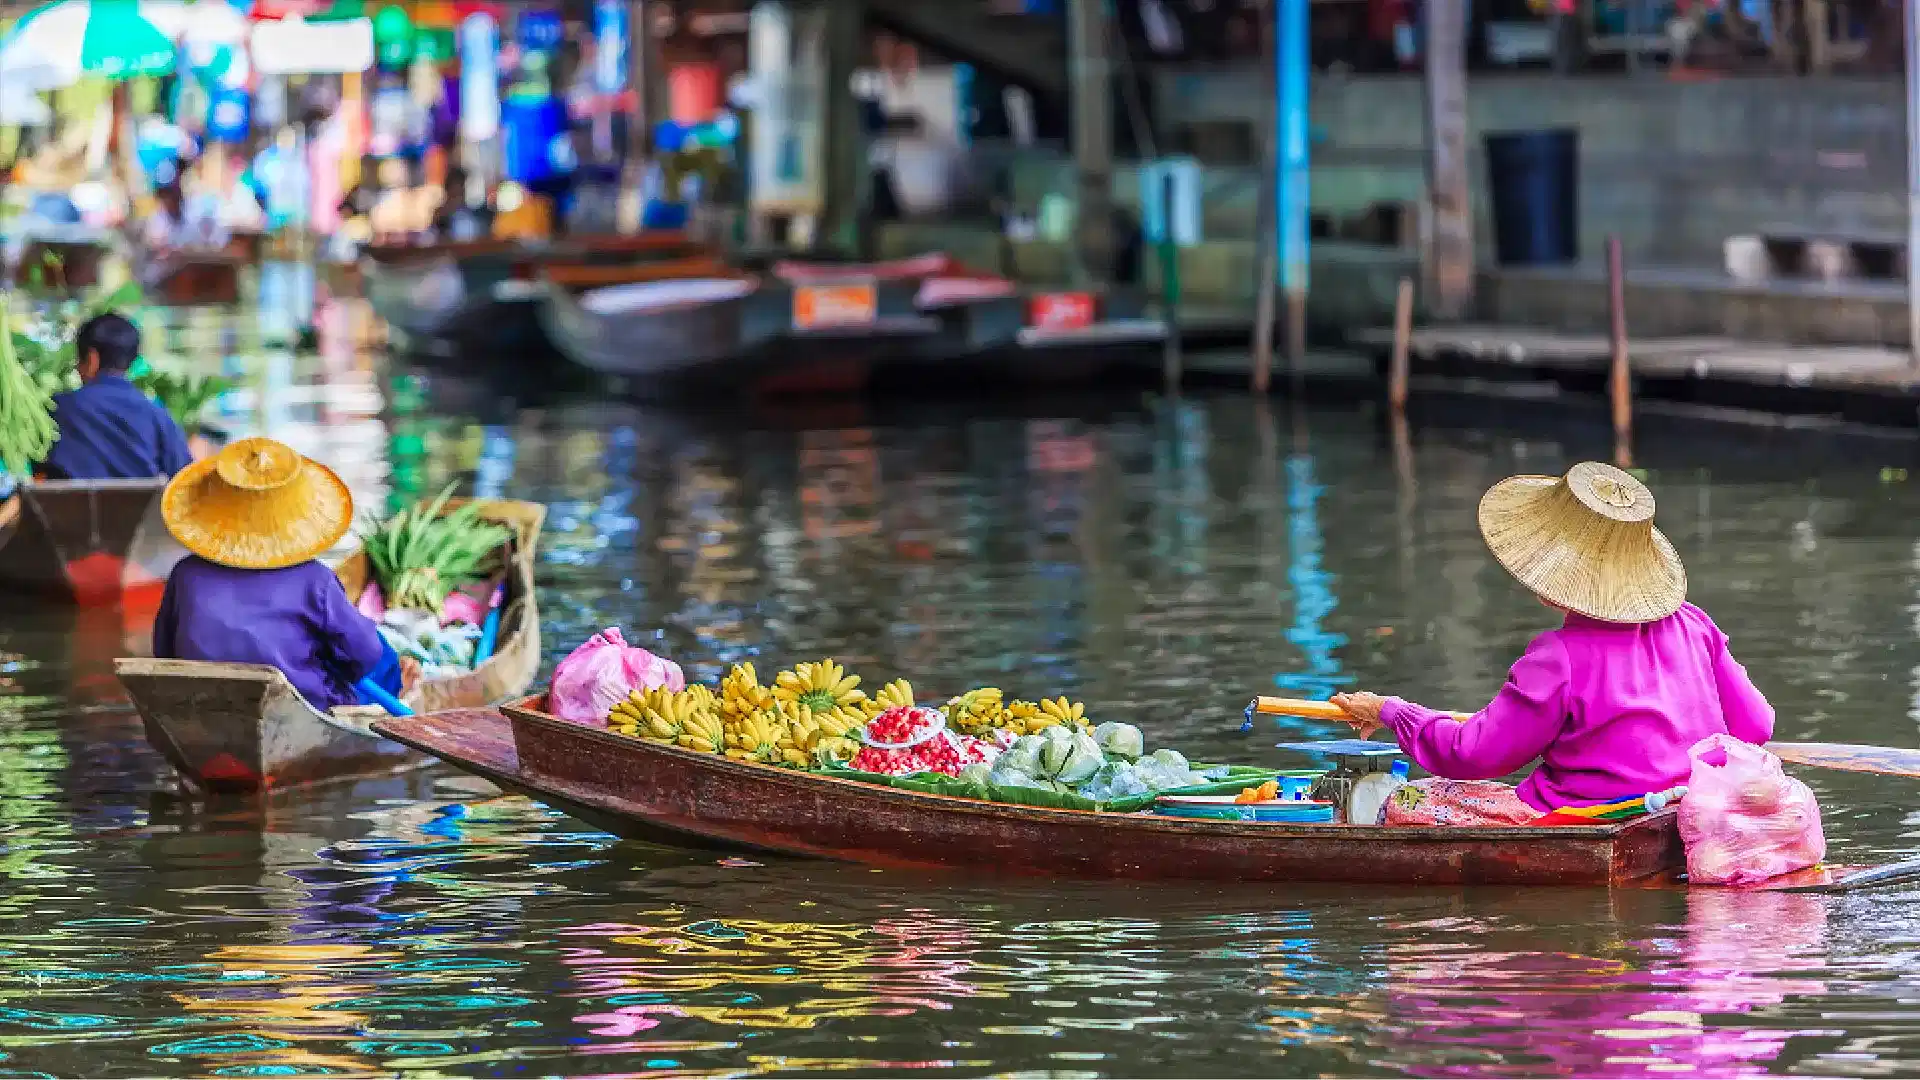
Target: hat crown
column 258, row 464
column 1610, row 492
column 1586, row 542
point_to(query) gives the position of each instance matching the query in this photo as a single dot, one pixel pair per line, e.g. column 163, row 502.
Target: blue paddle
column 378, row 695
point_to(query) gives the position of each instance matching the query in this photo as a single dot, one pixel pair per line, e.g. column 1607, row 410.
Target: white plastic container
column 1371, row 792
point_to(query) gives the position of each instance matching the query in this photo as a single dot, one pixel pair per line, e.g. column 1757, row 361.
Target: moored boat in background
column 424, row 292
column 86, row 542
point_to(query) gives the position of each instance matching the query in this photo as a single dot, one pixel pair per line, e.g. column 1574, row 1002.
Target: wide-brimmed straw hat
column 257, row 505
column 1586, row 542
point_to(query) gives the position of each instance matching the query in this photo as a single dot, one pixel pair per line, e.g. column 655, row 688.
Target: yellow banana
column 977, row 711
column 1063, row 711
column 897, row 694
column 822, row 687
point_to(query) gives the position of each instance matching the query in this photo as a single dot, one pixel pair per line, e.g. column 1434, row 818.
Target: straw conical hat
column 1586, row 542
column 257, row 505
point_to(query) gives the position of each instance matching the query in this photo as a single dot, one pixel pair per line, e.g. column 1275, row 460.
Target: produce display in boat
column 432, row 586
column 815, row 717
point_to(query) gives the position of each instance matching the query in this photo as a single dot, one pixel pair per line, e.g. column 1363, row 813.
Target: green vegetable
column 1120, row 740
column 185, row 396
column 422, row 554
column 1071, row 759
column 27, row 430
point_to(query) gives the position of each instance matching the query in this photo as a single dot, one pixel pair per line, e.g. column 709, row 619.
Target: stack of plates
column 1223, row 808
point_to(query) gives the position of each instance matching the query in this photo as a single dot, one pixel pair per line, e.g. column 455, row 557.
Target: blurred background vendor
column 109, row 429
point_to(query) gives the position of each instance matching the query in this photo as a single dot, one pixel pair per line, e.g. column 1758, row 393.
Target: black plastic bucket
column 1534, row 177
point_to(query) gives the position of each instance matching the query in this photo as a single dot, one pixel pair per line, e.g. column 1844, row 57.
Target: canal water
column 1161, row 560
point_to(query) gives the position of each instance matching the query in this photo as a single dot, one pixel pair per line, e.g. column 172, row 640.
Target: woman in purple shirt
column 256, row 516
column 1611, row 701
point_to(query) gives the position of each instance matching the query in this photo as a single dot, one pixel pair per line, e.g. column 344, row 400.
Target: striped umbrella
column 57, row 44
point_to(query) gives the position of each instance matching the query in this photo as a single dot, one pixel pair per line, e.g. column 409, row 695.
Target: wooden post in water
column 1619, row 377
column 1266, row 235
column 1399, row 362
column 1449, row 195
column 1091, row 128
column 1912, row 25
column 842, row 226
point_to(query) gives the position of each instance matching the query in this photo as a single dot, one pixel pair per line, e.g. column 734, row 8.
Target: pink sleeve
column 1522, row 720
column 1748, row 713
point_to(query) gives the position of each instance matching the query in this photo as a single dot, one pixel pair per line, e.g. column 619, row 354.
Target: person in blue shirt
column 109, row 430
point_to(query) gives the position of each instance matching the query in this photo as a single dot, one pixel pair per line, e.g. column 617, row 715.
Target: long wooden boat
column 242, row 727
column 86, row 542
column 667, row 791
column 426, row 292
column 735, row 331
column 645, row 791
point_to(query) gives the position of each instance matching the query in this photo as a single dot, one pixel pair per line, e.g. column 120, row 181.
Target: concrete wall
column 1674, row 168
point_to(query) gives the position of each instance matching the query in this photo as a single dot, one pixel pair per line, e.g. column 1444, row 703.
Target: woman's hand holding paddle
column 1363, row 712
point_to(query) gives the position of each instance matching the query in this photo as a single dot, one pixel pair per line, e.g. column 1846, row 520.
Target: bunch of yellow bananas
column 741, row 693
column 897, row 694
column 659, row 713
column 1062, row 711
column 762, row 736
column 976, row 712
column 825, row 688
column 704, row 733
column 1025, row 718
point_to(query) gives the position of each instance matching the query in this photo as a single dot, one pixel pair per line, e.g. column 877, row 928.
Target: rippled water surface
column 1162, row 561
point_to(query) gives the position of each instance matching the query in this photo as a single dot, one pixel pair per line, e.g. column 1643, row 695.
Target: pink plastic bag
column 1744, row 820
column 603, row 670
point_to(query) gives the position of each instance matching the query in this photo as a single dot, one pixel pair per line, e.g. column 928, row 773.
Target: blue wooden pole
column 1291, row 58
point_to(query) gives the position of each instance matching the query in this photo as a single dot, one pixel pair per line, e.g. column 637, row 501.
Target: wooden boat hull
column 993, row 342
column 434, row 295
column 79, row 263
column 86, row 542
column 757, row 342
column 235, row 728
column 653, row 791
column 194, row 279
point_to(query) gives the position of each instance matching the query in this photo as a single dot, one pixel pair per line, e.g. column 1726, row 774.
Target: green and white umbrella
column 58, row 44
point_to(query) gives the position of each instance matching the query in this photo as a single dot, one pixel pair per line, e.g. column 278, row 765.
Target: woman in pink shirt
column 1611, row 701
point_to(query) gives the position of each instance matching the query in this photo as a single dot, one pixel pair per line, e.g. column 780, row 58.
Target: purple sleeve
column 352, row 638
column 1748, row 713
column 1522, row 720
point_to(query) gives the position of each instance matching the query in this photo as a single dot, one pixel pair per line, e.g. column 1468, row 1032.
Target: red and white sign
column 1061, row 311
column 834, row 305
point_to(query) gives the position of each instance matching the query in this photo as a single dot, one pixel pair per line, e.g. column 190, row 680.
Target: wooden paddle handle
column 1312, row 710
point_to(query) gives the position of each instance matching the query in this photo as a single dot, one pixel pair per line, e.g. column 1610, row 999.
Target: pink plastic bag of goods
column 602, row 671
column 373, row 602
column 1744, row 820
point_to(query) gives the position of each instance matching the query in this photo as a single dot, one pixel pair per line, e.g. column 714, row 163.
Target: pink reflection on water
column 1639, row 1009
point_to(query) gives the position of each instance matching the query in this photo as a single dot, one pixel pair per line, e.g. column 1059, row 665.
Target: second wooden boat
column 86, row 542
column 242, row 727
